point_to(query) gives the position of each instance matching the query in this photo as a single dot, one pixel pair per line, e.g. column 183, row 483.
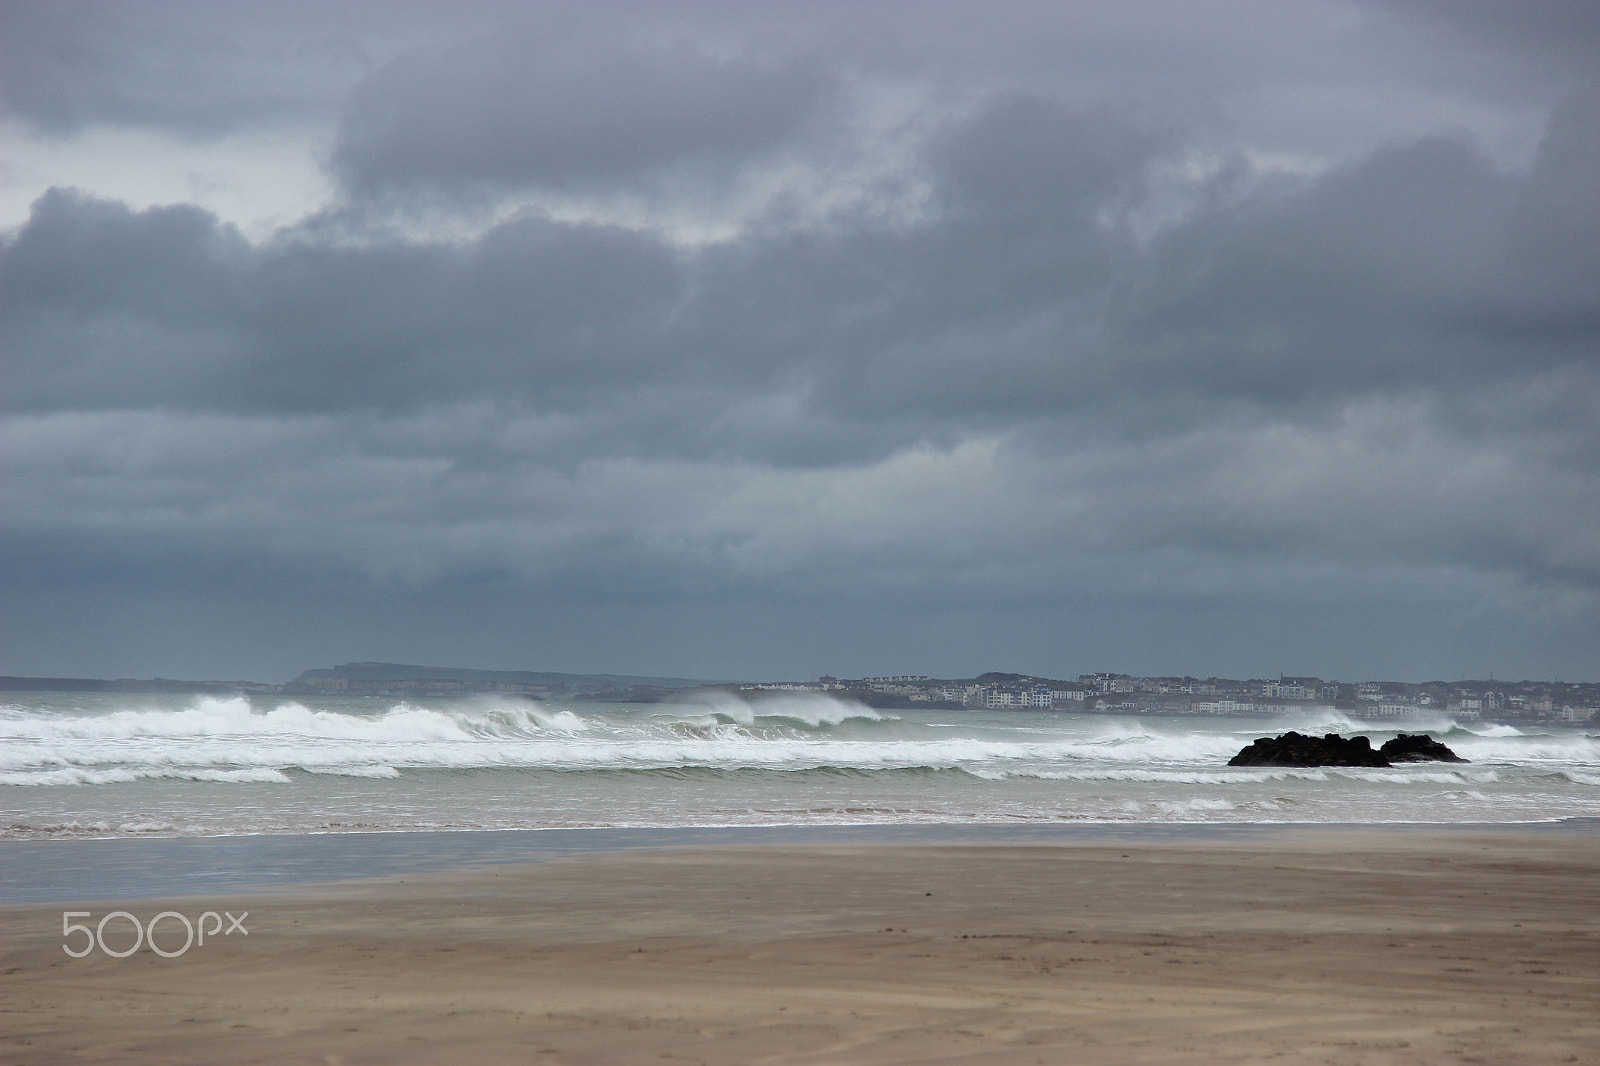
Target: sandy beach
column 1332, row 946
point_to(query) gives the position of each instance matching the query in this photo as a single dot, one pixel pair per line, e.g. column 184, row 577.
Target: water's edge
column 81, row 871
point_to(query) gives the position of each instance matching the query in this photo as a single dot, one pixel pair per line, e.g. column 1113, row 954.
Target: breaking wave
column 227, row 740
column 230, row 765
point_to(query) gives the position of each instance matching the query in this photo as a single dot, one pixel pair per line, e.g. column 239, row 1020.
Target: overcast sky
column 769, row 340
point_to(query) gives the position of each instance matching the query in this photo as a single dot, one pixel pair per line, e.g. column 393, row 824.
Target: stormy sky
column 768, row 340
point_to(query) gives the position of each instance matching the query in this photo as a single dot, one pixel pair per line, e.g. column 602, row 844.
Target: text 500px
column 194, row 933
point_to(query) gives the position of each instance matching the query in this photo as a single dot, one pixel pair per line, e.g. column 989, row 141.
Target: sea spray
column 94, row 764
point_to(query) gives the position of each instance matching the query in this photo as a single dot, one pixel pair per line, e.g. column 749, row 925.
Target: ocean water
column 111, row 765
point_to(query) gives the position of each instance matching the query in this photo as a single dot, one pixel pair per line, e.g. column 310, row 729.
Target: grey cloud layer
column 66, row 65
column 565, row 112
column 1418, row 266
column 1014, row 372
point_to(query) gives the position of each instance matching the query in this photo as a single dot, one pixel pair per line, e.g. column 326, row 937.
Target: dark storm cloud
column 197, row 69
column 615, row 368
column 1355, row 283
column 1554, row 256
column 110, row 307
column 544, row 312
column 967, row 318
column 996, row 345
column 566, row 110
column 1561, row 31
column 1023, row 154
column 1420, row 266
column 979, row 313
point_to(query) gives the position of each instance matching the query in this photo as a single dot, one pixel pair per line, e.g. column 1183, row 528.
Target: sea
column 120, row 766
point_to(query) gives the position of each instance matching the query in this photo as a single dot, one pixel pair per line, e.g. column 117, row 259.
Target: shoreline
column 1339, row 945
column 75, row 869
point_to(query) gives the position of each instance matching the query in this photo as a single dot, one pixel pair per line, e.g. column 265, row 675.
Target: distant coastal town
column 1097, row 693
column 1108, row 693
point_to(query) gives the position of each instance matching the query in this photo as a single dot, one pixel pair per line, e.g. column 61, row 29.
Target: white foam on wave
column 76, row 775
column 1522, row 747
column 1233, row 776
column 814, row 709
column 1122, row 740
column 69, row 776
column 226, row 735
column 517, row 720
column 230, row 740
column 617, row 746
column 1253, row 776
column 1179, row 809
column 1311, row 720
column 1316, row 721
column 373, row 770
column 1399, row 776
column 1494, row 731
column 235, row 717
column 92, row 829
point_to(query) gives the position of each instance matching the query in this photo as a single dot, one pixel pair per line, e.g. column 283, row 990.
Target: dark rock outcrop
column 1297, row 749
column 1419, row 747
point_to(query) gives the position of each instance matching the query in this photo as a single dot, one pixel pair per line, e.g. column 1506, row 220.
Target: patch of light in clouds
column 260, row 180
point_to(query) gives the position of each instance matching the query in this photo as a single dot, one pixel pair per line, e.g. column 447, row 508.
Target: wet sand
column 1423, row 946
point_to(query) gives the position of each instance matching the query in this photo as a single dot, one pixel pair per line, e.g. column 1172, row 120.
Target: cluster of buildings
column 1106, row 693
column 1124, row 694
